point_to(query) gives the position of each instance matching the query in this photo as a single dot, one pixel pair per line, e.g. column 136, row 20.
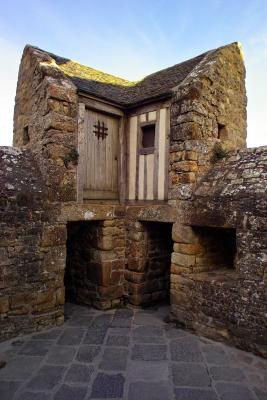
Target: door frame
column 91, row 103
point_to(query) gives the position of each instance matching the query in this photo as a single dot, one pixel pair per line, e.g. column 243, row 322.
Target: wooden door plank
column 101, row 154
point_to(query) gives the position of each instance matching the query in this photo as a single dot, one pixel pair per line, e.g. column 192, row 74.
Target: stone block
column 118, row 264
column 185, row 350
column 178, row 297
column 54, row 236
column 109, row 293
column 105, row 243
column 102, row 255
column 79, row 373
column 44, row 297
column 61, row 355
column 114, row 359
column 116, row 277
column 136, row 277
column 191, row 155
column 138, row 371
column 185, row 166
column 120, row 341
column 136, row 236
column 183, row 260
column 4, row 305
column 109, row 230
column 59, row 122
column 149, row 390
column 186, row 177
column 102, row 305
column 8, row 389
column 47, row 378
column 67, row 392
column 194, row 394
column 119, row 242
column 187, row 248
column 109, row 223
column 233, row 391
column 95, row 335
column 183, row 234
column 36, row 348
column 60, row 296
column 149, row 352
column 59, row 92
column 71, row 337
column 107, row 386
column 99, row 273
column 174, row 178
column 137, row 264
column 189, row 374
column 21, row 300
column 139, row 299
column 227, row 374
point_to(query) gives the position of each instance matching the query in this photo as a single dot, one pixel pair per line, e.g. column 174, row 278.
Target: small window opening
column 26, row 136
column 222, row 132
column 148, row 136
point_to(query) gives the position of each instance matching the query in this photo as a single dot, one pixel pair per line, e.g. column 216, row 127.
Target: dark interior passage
column 159, row 247
column 82, row 266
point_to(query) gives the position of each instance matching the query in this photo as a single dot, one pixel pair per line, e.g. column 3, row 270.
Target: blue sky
column 133, row 38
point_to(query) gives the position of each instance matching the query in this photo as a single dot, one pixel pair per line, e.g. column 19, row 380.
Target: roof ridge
column 127, row 93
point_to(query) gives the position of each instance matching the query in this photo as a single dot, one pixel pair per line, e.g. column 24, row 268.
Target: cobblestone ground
column 126, row 354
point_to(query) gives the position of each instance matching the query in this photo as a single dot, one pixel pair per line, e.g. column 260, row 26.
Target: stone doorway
column 94, row 266
column 82, row 270
column 149, row 249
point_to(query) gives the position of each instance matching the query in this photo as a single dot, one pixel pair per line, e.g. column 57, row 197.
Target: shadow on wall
column 217, row 248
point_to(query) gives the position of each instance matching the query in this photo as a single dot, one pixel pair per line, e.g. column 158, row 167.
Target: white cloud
column 10, row 59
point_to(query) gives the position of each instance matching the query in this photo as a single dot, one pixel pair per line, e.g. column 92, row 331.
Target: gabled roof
column 121, row 91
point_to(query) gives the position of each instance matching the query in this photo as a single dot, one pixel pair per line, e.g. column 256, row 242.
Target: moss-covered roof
column 75, row 70
column 121, row 91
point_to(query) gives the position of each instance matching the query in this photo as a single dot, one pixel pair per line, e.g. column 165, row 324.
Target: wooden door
column 101, row 155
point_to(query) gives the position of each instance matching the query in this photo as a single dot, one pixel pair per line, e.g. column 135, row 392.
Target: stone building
column 119, row 192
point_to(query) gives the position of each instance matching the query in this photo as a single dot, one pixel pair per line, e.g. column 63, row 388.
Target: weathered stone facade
column 225, row 300
column 32, row 248
column 208, row 109
column 204, row 245
column 45, row 120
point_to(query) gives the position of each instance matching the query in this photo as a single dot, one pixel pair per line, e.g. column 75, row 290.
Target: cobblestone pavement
column 126, row 354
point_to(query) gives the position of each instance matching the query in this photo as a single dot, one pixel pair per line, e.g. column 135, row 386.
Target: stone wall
column 45, row 121
column 208, row 117
column 32, row 249
column 226, row 304
column 95, row 262
column 148, row 254
column 122, row 252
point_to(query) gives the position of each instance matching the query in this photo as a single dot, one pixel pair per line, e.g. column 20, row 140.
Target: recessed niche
column 218, row 248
